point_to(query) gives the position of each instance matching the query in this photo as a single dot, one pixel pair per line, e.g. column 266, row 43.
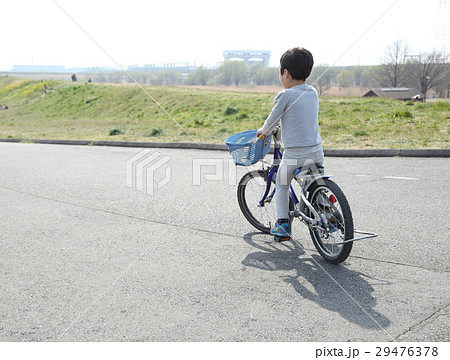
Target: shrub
column 420, row 106
column 231, row 110
column 115, row 131
column 154, row 132
column 402, row 114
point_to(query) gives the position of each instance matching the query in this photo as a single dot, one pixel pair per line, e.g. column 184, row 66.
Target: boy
column 296, row 108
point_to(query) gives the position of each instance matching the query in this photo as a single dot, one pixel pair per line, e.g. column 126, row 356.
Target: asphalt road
column 84, row 257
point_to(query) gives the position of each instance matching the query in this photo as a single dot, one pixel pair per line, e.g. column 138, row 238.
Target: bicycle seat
column 309, row 169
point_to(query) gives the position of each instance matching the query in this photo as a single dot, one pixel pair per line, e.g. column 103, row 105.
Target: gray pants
column 293, row 158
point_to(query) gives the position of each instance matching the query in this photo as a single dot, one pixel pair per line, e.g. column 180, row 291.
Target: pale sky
column 149, row 32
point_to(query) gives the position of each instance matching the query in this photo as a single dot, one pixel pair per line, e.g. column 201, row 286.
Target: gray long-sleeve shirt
column 297, row 109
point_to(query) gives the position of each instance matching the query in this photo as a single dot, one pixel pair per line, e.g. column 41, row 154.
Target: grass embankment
column 125, row 112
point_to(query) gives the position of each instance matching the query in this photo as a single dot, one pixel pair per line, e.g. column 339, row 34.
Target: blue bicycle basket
column 246, row 149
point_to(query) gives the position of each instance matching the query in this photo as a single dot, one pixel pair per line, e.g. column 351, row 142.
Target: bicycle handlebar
column 276, row 132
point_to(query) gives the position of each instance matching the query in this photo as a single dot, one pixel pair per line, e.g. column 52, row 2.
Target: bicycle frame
column 277, row 156
column 305, row 181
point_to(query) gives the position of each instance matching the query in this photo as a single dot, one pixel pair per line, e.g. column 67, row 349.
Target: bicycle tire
column 338, row 212
column 250, row 191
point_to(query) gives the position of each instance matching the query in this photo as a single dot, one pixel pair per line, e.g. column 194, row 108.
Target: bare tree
column 443, row 88
column 392, row 72
column 199, row 77
column 368, row 77
column 321, row 77
column 428, row 71
column 232, row 72
column 345, row 79
column 267, row 76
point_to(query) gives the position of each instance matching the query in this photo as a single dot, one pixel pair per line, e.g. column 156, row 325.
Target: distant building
column 183, row 67
column 395, row 93
column 249, row 56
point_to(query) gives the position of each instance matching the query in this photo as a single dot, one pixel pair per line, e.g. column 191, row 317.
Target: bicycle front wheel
column 250, row 191
column 330, row 202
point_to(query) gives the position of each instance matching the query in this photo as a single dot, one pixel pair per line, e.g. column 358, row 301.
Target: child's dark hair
column 298, row 61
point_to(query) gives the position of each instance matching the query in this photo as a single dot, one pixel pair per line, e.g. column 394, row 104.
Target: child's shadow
column 336, row 288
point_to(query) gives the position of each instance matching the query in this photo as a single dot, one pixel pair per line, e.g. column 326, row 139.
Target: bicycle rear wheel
column 329, row 201
column 250, row 191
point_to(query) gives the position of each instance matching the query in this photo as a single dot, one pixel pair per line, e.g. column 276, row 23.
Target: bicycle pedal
column 332, row 229
column 280, row 238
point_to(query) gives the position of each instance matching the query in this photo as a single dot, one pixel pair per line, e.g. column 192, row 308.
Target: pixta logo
column 212, row 170
column 144, row 171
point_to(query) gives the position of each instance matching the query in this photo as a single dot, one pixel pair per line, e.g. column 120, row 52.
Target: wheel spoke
column 332, row 210
column 250, row 196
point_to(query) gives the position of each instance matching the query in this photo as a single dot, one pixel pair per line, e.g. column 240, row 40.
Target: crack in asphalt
column 428, row 319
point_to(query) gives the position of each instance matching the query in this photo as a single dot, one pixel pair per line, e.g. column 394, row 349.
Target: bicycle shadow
column 324, row 278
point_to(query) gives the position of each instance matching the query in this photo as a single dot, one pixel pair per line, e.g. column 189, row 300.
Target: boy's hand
column 259, row 132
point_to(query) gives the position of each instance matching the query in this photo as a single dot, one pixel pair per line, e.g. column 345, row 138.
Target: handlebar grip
column 262, row 136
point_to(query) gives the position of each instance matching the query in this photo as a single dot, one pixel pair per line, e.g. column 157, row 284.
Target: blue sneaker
column 281, row 232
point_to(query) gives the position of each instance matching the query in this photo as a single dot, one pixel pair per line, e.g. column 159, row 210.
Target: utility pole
column 441, row 27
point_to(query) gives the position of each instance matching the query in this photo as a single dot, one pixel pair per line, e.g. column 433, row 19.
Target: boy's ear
column 286, row 73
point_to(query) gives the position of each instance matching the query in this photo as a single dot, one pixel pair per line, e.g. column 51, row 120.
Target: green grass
column 125, row 112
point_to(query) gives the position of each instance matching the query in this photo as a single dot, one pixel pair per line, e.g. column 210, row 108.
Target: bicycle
column 322, row 205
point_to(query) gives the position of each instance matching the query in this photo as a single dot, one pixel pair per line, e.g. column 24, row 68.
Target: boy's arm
column 275, row 115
